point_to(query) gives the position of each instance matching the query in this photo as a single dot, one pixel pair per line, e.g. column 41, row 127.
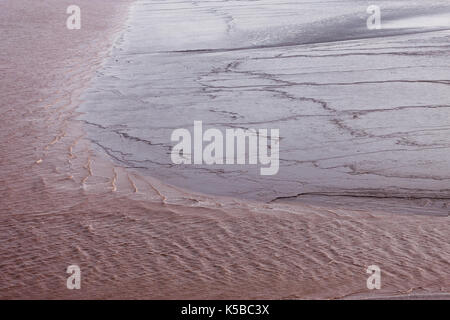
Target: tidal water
column 363, row 117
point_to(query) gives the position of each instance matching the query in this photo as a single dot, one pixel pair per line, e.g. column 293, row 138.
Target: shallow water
column 362, row 113
column 134, row 237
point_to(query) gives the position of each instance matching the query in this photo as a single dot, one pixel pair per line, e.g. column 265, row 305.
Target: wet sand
column 62, row 202
column 362, row 114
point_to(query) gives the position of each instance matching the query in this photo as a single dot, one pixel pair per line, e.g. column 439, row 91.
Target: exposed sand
column 134, row 237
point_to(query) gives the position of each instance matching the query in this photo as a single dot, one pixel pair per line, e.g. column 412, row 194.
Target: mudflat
column 63, row 201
